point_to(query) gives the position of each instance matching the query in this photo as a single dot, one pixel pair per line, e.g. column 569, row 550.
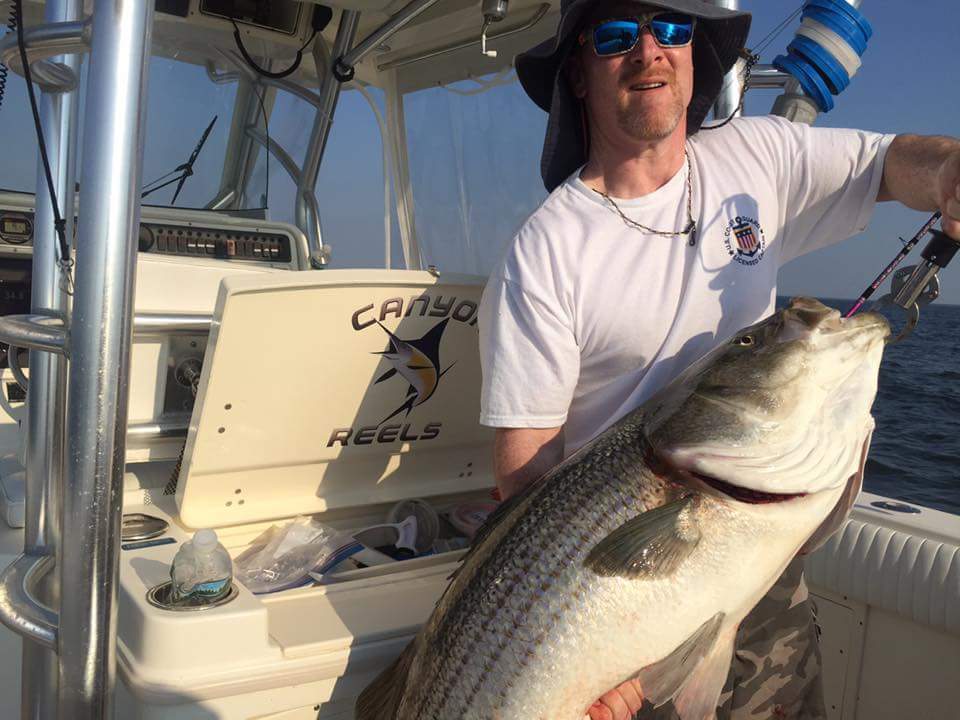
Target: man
column 658, row 241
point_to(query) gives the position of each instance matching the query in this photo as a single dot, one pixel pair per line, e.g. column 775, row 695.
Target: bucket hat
column 718, row 39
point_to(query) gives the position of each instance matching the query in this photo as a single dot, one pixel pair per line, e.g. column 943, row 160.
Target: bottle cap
column 205, row 539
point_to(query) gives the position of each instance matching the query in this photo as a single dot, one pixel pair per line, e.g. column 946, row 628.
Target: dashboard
column 193, row 238
column 274, row 245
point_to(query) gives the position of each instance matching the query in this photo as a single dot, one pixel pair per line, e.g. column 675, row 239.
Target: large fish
column 640, row 554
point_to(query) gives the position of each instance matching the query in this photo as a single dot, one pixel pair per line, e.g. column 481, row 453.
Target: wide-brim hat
column 719, row 37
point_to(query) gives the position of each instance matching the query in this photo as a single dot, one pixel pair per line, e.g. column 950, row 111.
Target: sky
column 908, row 83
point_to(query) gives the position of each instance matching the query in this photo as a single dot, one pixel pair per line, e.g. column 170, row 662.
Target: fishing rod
column 914, row 285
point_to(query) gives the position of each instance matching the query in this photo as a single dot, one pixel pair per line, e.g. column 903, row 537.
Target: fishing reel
column 917, row 285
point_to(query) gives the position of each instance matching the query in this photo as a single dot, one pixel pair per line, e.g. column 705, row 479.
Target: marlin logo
column 417, row 362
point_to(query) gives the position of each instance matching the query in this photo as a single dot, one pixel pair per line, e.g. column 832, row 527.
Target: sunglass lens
column 672, row 29
column 615, row 36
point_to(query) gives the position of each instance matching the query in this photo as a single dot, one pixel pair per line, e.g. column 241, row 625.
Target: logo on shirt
column 743, row 238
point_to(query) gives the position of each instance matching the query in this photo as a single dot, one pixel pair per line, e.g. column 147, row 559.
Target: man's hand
column 621, row 703
column 948, row 190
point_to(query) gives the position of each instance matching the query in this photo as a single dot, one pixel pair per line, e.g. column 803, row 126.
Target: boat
column 226, row 371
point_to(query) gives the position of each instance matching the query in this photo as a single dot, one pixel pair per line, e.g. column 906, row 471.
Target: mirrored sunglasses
column 621, row 35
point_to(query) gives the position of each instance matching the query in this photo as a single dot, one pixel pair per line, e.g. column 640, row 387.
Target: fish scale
column 542, row 549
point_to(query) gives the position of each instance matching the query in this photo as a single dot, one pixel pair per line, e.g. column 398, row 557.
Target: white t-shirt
column 586, row 317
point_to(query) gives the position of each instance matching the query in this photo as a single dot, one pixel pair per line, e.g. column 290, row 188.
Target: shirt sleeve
column 529, row 357
column 830, row 179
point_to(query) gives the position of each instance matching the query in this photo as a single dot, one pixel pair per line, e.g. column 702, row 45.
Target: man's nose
column 646, row 50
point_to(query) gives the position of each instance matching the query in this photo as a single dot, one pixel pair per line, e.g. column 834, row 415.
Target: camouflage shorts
column 775, row 673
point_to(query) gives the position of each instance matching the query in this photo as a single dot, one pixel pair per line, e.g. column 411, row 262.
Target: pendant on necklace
column 693, row 236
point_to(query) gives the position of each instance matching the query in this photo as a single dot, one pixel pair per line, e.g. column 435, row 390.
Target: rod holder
column 19, row 609
column 44, row 42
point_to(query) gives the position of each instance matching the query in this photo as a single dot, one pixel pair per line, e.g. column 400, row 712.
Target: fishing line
column 771, row 36
column 751, row 57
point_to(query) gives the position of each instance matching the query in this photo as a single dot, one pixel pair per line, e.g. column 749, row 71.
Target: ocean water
column 915, row 453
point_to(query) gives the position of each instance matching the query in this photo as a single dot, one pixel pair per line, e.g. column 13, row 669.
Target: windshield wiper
column 185, row 170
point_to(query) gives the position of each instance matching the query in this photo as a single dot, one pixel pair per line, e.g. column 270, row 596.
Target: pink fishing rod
column 893, row 264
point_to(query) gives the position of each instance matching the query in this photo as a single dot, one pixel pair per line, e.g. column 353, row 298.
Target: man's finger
column 951, row 209
column 617, row 705
column 632, row 694
column 951, row 228
column 599, row 711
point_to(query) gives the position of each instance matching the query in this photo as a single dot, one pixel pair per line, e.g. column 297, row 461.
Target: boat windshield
column 182, row 102
column 474, row 153
column 472, row 149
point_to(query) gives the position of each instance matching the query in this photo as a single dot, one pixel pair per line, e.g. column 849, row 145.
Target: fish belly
column 620, row 626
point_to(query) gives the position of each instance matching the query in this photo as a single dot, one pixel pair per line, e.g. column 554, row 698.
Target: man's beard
column 649, row 123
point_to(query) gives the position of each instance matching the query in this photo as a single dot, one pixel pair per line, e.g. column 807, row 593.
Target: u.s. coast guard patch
column 743, row 238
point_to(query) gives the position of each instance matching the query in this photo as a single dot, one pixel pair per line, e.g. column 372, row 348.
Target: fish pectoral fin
column 650, row 545
column 663, row 680
column 380, row 700
column 698, row 698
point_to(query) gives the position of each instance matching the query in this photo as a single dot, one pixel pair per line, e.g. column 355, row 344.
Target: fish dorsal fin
column 663, row 680
column 652, row 544
column 381, row 698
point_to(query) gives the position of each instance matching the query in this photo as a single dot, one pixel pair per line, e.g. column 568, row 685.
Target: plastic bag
column 283, row 556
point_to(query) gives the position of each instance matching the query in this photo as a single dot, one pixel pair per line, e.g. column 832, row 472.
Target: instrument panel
column 275, row 246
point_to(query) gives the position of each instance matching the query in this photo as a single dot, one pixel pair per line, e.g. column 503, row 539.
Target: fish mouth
column 742, row 494
column 662, row 466
column 807, row 314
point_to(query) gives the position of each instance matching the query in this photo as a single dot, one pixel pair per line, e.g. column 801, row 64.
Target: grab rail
column 34, row 332
column 538, row 14
column 19, row 609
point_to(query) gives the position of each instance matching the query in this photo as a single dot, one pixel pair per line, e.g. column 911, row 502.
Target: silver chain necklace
column 690, row 229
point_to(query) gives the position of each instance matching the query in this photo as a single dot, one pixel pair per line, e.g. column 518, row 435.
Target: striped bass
column 639, row 555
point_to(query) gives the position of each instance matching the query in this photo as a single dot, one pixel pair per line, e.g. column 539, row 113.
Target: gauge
column 146, row 240
column 15, row 229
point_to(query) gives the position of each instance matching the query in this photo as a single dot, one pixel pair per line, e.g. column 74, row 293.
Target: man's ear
column 576, row 76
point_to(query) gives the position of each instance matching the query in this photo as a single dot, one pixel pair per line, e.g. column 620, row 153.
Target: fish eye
column 745, row 340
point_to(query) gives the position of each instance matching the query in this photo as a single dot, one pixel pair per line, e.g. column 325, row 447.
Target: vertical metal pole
column 100, row 335
column 240, row 148
column 726, row 104
column 397, row 138
column 47, row 391
column 306, row 214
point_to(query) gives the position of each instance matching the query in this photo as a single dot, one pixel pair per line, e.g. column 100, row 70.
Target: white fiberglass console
column 183, row 256
column 372, row 397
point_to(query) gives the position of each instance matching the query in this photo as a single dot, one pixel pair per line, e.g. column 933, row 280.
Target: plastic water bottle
column 202, row 569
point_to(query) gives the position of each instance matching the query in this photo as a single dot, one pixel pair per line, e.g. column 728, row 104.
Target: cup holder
column 160, row 596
